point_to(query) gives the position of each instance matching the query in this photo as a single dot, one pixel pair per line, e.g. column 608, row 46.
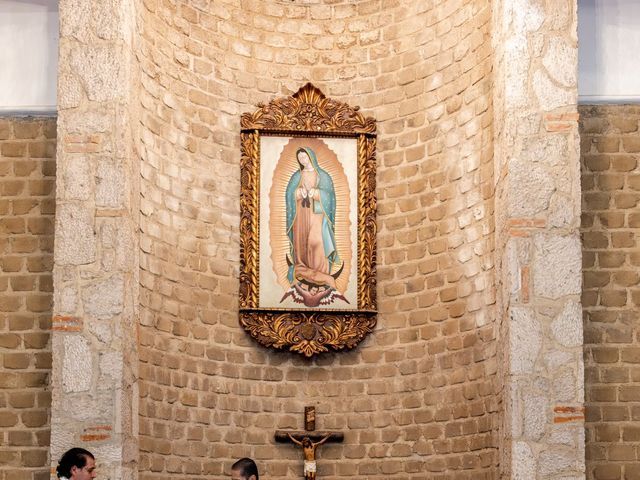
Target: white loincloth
column 309, row 466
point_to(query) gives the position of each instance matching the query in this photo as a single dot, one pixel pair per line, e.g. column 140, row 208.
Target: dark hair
column 247, row 467
column 76, row 457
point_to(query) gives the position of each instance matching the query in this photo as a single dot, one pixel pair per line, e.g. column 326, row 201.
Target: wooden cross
column 309, row 440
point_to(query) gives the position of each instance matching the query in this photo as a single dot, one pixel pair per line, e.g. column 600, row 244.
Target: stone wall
column 95, row 275
column 27, row 205
column 418, row 396
column 538, row 246
column 611, row 298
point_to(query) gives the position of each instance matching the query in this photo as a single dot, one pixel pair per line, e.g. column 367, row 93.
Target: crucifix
column 309, row 440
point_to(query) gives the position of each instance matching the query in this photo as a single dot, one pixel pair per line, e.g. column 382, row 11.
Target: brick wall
column 417, row 398
column 27, row 204
column 611, row 298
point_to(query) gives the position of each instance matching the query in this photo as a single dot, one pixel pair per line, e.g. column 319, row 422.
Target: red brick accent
column 62, row 323
column 76, row 143
column 560, row 122
column 92, row 434
column 568, row 413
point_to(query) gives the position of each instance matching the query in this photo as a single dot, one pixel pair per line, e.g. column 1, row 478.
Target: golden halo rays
column 286, row 166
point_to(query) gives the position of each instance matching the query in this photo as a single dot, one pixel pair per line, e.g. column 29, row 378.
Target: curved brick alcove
column 418, row 397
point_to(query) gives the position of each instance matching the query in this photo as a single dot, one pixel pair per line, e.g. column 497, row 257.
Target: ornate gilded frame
column 308, row 332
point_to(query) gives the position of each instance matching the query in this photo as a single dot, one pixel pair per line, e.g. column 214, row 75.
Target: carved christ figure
column 311, row 212
column 309, row 451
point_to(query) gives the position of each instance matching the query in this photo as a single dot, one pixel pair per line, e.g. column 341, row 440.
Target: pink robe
column 311, row 263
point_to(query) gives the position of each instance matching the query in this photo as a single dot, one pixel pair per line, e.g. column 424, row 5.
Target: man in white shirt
column 77, row 464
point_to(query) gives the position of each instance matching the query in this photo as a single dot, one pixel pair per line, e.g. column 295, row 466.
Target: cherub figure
column 309, row 451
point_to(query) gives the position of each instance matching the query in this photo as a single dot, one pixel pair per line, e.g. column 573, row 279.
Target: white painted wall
column 28, row 55
column 608, row 51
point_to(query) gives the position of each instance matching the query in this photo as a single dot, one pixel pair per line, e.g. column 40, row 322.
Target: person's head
column 306, row 442
column 244, row 469
column 77, row 464
column 303, row 158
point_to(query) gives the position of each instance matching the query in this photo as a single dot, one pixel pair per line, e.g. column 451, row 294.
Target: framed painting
column 308, row 224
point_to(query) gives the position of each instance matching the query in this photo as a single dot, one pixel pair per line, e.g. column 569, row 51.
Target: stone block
column 102, row 71
column 563, row 211
column 565, row 386
column 561, row 60
column 101, row 330
column 96, row 408
column 77, row 178
column 70, row 92
column 523, row 461
column 555, row 358
column 97, row 120
column 66, row 299
column 567, row 326
column 110, row 364
column 556, row 266
column 536, row 413
column 525, row 340
column 110, row 20
column 527, row 15
column 75, row 20
column 556, row 461
column 570, row 435
column 548, row 149
column 530, row 188
column 516, row 69
column 104, row 298
column 77, row 364
column 75, row 236
column 110, row 184
column 550, row 96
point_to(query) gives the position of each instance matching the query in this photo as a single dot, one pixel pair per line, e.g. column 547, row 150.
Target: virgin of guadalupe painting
column 311, row 218
column 306, row 223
